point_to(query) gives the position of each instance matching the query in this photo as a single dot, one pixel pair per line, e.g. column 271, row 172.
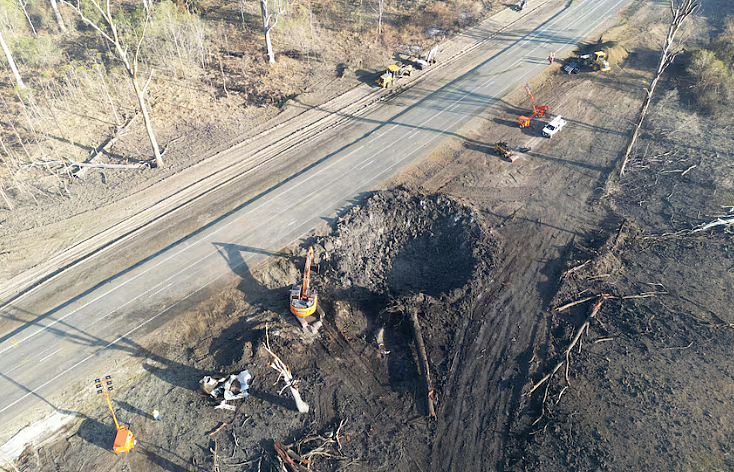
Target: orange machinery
column 303, row 297
column 538, row 110
column 124, row 440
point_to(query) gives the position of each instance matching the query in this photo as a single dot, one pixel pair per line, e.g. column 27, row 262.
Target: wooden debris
column 423, row 358
column 215, row 456
column 284, row 372
column 104, row 147
column 567, row 353
column 677, row 348
column 299, row 456
column 712, row 224
column 217, row 429
column 574, row 269
column 577, row 302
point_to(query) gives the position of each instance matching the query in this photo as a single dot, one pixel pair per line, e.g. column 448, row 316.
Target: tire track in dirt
column 505, row 324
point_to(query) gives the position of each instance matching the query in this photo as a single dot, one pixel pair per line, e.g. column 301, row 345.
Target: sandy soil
column 488, row 244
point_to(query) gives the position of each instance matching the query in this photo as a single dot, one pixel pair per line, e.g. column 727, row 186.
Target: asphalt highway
column 48, row 353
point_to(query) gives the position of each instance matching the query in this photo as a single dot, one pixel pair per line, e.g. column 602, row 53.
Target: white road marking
column 366, row 164
column 50, row 355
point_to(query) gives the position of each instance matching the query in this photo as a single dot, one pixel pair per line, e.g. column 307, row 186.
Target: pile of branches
column 300, row 456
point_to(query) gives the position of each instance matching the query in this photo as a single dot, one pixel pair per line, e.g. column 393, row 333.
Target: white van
column 554, row 126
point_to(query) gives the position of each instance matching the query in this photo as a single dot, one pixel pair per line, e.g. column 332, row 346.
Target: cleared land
column 492, row 273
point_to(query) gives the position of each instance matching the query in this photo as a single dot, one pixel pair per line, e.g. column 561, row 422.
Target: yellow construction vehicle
column 503, row 150
column 597, row 61
column 304, row 298
column 538, row 110
column 394, row 72
column 124, row 440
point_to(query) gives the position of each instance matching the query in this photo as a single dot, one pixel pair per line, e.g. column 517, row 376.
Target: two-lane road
column 48, row 350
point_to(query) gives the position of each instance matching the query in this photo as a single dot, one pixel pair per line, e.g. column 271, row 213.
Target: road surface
column 50, row 347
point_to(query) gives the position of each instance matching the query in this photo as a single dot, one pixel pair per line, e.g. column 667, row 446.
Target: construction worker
column 551, row 58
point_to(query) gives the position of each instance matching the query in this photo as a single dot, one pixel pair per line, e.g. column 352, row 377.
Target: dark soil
column 651, row 388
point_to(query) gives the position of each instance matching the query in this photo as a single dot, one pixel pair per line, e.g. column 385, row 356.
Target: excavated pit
column 398, row 244
column 395, row 253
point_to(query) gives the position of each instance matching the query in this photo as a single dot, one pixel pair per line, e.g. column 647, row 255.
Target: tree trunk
column 266, row 30
column 680, row 10
column 18, row 79
column 423, row 358
column 148, row 127
column 59, row 18
column 22, row 5
column 381, row 8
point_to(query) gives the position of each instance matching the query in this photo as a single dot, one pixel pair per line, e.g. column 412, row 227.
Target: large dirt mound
column 398, row 243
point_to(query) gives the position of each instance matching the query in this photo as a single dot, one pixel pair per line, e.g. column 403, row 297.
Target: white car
column 554, row 126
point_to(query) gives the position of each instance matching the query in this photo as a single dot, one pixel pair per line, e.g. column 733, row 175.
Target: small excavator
column 426, row 59
column 304, row 298
column 124, row 440
column 538, row 110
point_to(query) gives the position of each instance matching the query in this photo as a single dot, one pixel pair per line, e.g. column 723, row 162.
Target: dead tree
column 423, row 358
column 59, row 18
column 680, row 10
column 270, row 19
column 22, row 7
column 380, row 9
column 109, row 31
column 13, row 67
column 284, row 372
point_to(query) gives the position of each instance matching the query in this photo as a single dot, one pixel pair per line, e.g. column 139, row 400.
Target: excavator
column 304, row 298
column 538, row 110
column 124, row 440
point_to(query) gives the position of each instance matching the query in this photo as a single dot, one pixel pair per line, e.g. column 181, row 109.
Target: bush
column 176, row 41
column 711, row 71
column 38, row 51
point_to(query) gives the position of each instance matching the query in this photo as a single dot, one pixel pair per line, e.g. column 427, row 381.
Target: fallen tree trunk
column 137, row 165
column 423, row 358
column 104, row 147
column 717, row 222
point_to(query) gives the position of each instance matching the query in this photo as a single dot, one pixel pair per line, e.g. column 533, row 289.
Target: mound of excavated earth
column 398, row 243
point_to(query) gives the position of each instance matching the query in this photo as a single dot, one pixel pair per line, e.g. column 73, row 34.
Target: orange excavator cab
column 124, row 440
column 303, row 297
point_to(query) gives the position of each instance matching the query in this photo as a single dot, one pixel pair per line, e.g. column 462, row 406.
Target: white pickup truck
column 554, row 126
